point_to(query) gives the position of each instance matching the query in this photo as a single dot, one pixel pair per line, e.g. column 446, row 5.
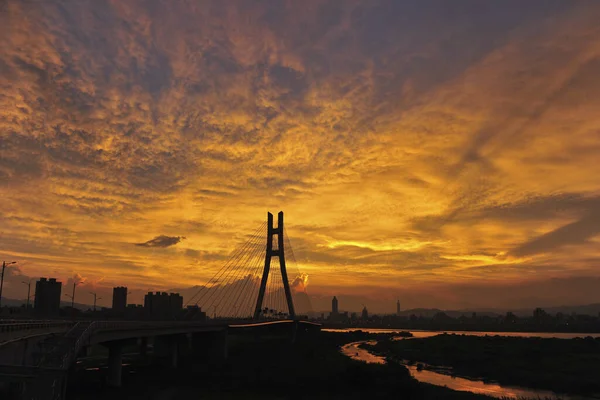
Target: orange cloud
column 401, row 155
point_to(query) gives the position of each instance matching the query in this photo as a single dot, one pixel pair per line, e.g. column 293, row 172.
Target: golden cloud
column 400, row 154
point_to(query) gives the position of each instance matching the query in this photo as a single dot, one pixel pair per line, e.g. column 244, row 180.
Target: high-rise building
column 119, row 302
column 398, row 308
column 175, row 303
column 194, row 312
column 365, row 313
column 334, row 306
column 163, row 305
column 47, row 297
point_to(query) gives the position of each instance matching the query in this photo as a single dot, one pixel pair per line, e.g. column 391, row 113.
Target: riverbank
column 559, row 365
column 269, row 368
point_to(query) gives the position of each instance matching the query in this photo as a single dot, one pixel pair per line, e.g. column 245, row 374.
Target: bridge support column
column 115, row 364
column 25, row 352
column 294, row 331
column 86, row 351
column 167, row 348
column 211, row 345
column 183, row 345
column 143, row 348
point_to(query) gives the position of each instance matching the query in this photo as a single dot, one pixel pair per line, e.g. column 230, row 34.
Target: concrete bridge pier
column 183, row 345
column 115, row 364
column 86, row 351
column 211, row 345
column 11, row 390
column 143, row 348
column 294, row 331
column 168, row 348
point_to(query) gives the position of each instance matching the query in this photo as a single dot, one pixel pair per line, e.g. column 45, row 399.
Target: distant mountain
column 430, row 312
column 301, row 303
column 19, row 303
column 423, row 312
column 589, row 309
column 12, row 302
column 79, row 306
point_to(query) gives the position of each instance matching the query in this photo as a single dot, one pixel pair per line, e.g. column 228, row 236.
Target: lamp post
column 28, row 292
column 95, row 298
column 72, row 297
column 4, row 264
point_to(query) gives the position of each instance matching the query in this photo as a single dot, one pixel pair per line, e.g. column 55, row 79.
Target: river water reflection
column 425, row 334
column 491, row 389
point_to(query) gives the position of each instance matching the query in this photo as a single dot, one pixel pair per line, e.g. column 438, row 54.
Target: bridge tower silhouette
column 278, row 252
column 249, row 285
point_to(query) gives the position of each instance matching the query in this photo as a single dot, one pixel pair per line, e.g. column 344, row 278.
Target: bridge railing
column 12, row 331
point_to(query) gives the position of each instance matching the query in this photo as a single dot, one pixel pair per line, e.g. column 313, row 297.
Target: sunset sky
column 446, row 153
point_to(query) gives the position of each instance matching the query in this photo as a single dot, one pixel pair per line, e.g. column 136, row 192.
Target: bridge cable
column 248, row 278
column 279, row 291
column 236, row 287
column 222, row 299
column 206, row 289
column 215, row 277
column 298, row 273
column 237, row 270
column 235, row 253
column 254, row 289
column 226, row 275
column 250, row 298
column 233, row 295
column 272, row 293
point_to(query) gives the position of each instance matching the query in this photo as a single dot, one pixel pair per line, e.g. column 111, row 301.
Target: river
column 443, row 377
column 419, row 334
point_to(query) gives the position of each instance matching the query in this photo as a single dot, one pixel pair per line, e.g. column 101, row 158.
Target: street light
column 72, row 296
column 28, row 292
column 4, row 264
column 99, row 298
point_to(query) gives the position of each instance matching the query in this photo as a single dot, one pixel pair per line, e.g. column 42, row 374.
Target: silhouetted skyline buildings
column 335, row 314
column 162, row 305
column 334, row 306
column 48, row 303
column 159, row 305
column 119, row 300
column 47, row 297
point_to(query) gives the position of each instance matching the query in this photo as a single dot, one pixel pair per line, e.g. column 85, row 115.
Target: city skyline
column 141, row 143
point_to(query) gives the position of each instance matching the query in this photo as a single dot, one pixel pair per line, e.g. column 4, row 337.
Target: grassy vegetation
column 564, row 366
column 270, row 367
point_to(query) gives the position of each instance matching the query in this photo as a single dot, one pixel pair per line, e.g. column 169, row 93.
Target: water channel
column 443, row 377
column 418, row 334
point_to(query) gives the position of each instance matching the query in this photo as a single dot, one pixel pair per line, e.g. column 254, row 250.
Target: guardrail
column 12, row 331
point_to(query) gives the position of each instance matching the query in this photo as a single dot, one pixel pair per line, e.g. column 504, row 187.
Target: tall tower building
column 119, row 302
column 365, row 313
column 398, row 308
column 47, row 297
column 334, row 306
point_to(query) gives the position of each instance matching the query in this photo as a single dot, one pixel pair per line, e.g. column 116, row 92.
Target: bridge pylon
column 270, row 253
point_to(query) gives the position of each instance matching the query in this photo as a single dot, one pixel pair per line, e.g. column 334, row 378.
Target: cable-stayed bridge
column 260, row 280
column 253, row 290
